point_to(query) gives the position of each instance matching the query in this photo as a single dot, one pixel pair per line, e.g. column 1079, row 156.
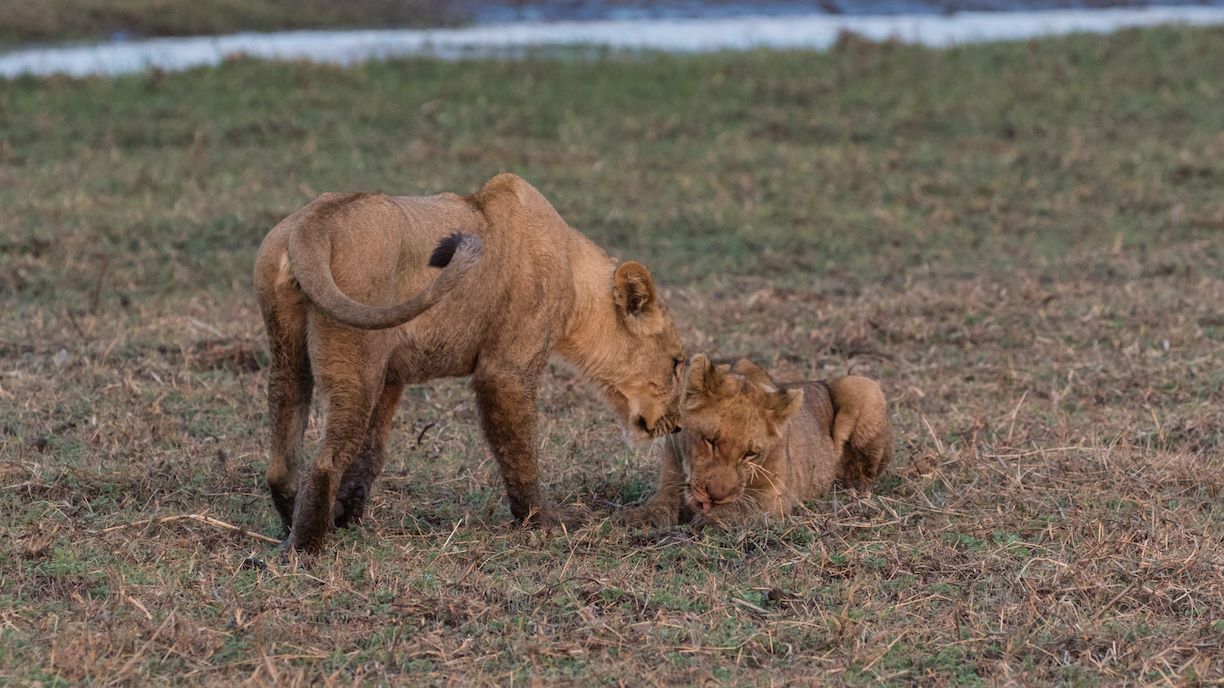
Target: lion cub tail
column 862, row 432
column 311, row 261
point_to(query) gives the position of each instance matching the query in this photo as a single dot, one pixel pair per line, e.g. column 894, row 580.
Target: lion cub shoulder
column 750, row 445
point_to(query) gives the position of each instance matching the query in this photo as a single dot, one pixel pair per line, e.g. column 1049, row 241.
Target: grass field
column 1024, row 242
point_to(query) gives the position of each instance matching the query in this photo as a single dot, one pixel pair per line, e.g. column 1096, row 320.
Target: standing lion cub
column 751, row 446
column 363, row 294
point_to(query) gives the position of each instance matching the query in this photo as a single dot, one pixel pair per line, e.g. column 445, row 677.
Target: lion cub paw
column 732, row 519
column 702, row 521
column 648, row 516
column 556, row 517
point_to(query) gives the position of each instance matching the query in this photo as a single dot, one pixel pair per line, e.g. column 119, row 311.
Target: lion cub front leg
column 725, row 515
column 662, row 509
column 508, row 415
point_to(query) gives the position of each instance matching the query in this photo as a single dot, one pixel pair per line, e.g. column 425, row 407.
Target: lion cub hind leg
column 349, row 393
column 862, row 432
column 290, row 385
column 360, row 475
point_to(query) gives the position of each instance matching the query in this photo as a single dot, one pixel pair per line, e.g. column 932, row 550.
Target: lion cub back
column 862, row 434
column 842, row 435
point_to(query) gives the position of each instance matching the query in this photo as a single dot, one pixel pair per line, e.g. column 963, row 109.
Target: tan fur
column 751, row 446
column 353, row 310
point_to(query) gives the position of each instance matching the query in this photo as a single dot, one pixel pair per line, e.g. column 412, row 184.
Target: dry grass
column 1022, row 242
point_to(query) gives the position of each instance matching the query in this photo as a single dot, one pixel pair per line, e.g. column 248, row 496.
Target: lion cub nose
column 719, row 491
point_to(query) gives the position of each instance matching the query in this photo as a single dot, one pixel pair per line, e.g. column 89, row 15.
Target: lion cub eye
column 750, row 455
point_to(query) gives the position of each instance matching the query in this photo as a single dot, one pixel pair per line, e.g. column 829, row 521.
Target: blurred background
column 52, row 20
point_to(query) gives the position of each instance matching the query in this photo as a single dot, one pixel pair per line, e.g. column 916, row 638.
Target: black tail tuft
column 445, row 250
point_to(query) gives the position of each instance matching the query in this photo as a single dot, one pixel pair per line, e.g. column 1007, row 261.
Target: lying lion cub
column 751, row 446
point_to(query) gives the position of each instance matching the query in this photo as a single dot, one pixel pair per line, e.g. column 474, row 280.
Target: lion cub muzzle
column 659, row 427
column 715, row 490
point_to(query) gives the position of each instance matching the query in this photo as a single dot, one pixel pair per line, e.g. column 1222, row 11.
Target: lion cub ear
column 633, row 290
column 703, row 377
column 780, row 406
column 753, row 372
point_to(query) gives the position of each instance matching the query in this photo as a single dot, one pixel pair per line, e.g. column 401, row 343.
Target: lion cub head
column 733, row 419
column 638, row 359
